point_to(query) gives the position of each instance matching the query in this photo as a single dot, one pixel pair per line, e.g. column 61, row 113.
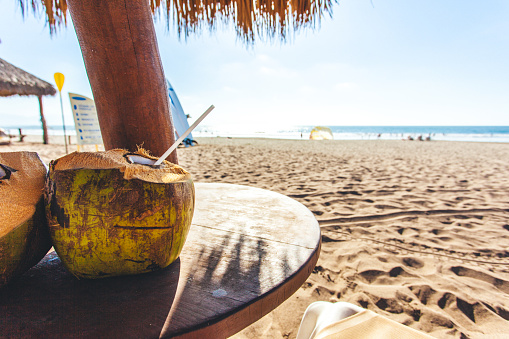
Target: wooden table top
column 248, row 251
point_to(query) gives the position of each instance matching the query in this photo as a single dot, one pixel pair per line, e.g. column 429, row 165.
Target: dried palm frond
column 56, row 11
column 265, row 18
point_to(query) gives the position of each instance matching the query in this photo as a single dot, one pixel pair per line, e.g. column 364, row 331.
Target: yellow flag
column 59, row 80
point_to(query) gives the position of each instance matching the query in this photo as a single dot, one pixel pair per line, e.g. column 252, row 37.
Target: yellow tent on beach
column 321, row 133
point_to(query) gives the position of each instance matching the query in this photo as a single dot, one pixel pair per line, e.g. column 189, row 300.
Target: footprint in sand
column 378, row 277
column 468, row 272
column 423, row 292
column 413, row 262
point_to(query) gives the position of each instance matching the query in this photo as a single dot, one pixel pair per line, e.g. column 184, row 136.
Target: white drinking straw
column 183, row 136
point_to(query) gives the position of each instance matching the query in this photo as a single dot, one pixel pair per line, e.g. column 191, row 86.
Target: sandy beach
column 415, row 231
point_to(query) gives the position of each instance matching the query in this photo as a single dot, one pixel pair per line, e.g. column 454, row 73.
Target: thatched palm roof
column 15, row 81
column 265, row 18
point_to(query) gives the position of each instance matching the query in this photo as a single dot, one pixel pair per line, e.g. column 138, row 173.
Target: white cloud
column 264, row 58
column 278, row 72
column 309, row 90
column 230, row 89
column 342, row 86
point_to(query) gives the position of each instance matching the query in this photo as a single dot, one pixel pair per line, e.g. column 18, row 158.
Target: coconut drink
column 24, row 238
column 116, row 213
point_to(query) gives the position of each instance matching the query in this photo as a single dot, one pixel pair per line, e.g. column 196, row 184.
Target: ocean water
column 449, row 133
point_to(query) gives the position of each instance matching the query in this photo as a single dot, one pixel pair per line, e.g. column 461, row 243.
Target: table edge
column 228, row 325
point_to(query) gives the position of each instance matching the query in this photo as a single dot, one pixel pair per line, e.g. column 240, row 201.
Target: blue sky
column 391, row 62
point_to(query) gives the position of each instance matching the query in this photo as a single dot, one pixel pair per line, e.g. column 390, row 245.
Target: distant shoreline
column 446, row 133
column 59, row 139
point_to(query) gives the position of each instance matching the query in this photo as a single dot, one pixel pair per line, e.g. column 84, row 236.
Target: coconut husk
column 119, row 159
column 24, row 236
column 21, row 190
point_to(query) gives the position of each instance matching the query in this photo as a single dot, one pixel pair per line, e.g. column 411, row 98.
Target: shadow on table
column 223, row 276
column 47, row 301
column 227, row 273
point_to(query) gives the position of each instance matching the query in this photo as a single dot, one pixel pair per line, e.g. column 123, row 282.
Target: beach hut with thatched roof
column 15, row 81
column 119, row 47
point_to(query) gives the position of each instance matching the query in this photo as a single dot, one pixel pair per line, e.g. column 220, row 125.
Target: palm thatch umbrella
column 119, row 47
column 15, row 81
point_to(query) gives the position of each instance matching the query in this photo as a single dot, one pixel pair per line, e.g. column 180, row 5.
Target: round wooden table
column 248, row 251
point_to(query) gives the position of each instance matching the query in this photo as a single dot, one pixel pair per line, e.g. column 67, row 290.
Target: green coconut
column 115, row 213
column 24, row 237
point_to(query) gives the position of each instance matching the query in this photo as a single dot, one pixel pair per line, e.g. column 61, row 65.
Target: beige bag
column 344, row 320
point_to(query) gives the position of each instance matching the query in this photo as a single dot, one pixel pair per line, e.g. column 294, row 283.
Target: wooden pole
column 119, row 47
column 63, row 122
column 43, row 122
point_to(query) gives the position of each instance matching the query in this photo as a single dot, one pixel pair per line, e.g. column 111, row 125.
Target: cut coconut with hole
column 113, row 213
column 24, row 237
column 140, row 160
